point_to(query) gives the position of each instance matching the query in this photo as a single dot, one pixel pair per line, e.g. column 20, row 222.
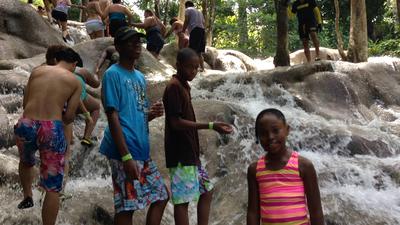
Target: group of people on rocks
column 282, row 185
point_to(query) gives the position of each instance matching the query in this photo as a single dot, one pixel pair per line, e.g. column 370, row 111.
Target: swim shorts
column 132, row 195
column 306, row 29
column 197, row 40
column 188, row 183
column 47, row 137
column 60, row 16
column 94, row 25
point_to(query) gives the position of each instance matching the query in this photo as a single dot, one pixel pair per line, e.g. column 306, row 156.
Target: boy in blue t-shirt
column 136, row 180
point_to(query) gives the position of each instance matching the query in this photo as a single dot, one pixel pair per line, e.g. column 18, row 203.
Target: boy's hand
column 89, row 119
column 156, row 110
column 222, row 128
column 131, row 170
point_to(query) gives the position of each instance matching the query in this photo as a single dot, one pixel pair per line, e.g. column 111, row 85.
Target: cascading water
column 356, row 189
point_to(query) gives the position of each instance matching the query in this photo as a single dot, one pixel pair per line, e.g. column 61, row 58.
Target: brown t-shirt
column 181, row 146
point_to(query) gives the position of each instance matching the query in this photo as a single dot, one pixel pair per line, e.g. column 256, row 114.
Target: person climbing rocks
column 60, row 14
column 155, row 31
column 94, row 24
column 309, row 22
column 137, row 182
column 194, row 22
column 118, row 16
column 41, row 128
column 176, row 28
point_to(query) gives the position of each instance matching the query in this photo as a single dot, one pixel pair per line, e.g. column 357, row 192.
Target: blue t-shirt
column 125, row 92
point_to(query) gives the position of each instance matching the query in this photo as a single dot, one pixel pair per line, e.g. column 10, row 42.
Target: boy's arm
column 89, row 78
column 186, row 23
column 146, row 23
column 253, row 207
column 130, row 166
column 72, row 104
column 101, row 60
column 309, row 177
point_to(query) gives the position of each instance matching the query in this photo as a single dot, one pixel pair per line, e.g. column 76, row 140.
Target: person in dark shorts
column 155, row 30
column 60, row 14
column 49, row 87
column 189, row 179
column 310, row 22
column 194, row 22
column 118, row 16
column 136, row 180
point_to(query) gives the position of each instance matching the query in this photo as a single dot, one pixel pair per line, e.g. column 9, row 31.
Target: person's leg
column 64, row 28
column 50, row 208
column 123, row 218
column 98, row 34
column 181, row 214
column 315, row 40
column 93, row 106
column 155, row 212
column 306, row 50
column 26, row 178
column 203, row 208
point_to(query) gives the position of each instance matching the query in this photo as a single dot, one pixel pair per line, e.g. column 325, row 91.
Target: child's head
column 189, row 4
column 272, row 130
column 148, row 13
column 187, row 63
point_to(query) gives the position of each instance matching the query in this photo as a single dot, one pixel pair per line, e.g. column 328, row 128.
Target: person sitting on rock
column 116, row 15
column 155, row 30
column 310, row 22
column 136, row 180
column 176, row 28
column 60, row 14
column 189, row 179
column 41, row 128
column 94, row 25
column 194, row 22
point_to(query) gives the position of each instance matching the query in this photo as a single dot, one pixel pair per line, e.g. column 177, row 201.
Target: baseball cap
column 124, row 33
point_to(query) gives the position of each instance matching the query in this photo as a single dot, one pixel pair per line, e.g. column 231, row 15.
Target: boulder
column 298, row 56
column 23, row 32
column 8, row 169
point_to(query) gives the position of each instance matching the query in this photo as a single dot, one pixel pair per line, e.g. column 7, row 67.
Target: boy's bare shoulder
column 251, row 170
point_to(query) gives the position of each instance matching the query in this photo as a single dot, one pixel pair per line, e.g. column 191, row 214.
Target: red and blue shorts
column 47, row 137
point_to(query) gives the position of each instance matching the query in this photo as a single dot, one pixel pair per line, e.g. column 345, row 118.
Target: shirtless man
column 176, row 28
column 103, row 5
column 41, row 128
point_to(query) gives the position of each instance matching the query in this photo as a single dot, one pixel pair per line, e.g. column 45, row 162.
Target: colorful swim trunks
column 132, row 195
column 47, row 137
column 188, row 183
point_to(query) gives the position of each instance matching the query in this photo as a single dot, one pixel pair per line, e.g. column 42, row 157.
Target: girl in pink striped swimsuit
column 283, row 187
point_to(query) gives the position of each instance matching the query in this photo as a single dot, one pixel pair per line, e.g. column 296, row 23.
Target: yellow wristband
column 126, row 157
column 211, row 125
column 86, row 114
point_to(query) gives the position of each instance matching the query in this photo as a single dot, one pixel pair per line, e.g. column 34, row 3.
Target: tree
column 358, row 41
column 339, row 35
column 242, row 23
column 181, row 11
column 398, row 10
column 282, row 52
column 157, row 8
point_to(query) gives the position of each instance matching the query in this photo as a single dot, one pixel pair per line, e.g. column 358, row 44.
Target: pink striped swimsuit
column 282, row 197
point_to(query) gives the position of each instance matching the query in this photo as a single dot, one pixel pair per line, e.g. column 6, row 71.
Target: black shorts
column 197, row 40
column 305, row 29
column 155, row 42
column 115, row 25
column 59, row 16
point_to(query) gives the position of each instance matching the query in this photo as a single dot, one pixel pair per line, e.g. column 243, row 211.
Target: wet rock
column 18, row 19
column 298, row 57
column 362, row 146
column 8, row 169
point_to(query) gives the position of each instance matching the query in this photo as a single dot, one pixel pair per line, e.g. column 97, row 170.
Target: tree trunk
column 82, row 14
column 210, row 28
column 204, row 7
column 181, row 13
column 157, row 8
column 166, row 12
column 358, row 41
column 242, row 23
column 398, row 11
column 282, row 52
column 339, row 35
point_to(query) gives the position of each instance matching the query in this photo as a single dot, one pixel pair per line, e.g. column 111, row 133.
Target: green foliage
column 389, row 47
column 35, row 2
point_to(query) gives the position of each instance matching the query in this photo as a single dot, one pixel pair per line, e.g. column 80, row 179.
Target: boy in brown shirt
column 189, row 179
